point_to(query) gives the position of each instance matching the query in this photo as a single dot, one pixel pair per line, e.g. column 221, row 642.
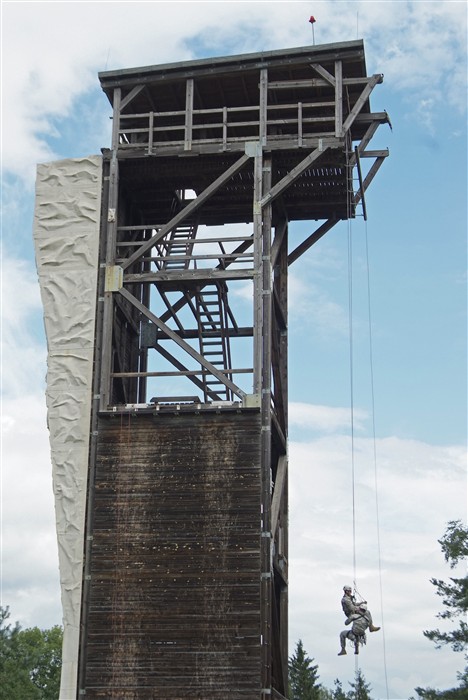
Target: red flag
column 312, row 19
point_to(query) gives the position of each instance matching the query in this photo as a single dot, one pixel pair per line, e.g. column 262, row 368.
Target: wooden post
column 188, row 114
column 266, row 548
column 111, row 240
column 338, row 99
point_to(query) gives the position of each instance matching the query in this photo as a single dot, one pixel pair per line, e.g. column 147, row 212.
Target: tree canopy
column 30, row 661
column 454, row 594
column 360, row 690
column 303, row 676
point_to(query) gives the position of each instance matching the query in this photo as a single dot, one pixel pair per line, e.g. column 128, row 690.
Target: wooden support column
column 263, row 107
column 150, row 133
column 258, row 307
column 281, row 510
column 281, row 286
column 111, row 242
column 267, row 582
column 338, row 99
column 188, row 114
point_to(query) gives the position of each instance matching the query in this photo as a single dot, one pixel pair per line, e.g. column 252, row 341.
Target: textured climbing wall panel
column 66, row 238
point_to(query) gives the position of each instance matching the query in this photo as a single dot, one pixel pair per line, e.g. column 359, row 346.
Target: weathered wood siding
column 174, row 597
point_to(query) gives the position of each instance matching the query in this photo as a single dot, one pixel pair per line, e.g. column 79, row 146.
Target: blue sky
column 52, row 107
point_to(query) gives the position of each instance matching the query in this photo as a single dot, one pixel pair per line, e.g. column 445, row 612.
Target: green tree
column 338, row 692
column 14, row 677
column 303, row 676
column 30, row 661
column 454, row 594
column 43, row 651
column 325, row 694
column 460, row 693
column 360, row 690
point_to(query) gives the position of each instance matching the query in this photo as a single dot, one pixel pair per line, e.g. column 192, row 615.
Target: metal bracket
column 114, row 278
column 253, row 149
column 252, row 401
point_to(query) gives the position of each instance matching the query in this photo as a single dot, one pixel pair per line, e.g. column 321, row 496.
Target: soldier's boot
column 342, row 652
column 372, row 628
column 356, row 648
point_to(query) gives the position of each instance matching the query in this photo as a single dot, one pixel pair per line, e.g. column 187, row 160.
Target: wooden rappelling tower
column 185, row 572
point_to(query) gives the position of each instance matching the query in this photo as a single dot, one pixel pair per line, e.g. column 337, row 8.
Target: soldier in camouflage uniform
column 360, row 616
column 360, row 621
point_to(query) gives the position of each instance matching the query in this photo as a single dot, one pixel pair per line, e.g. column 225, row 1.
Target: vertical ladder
column 212, row 317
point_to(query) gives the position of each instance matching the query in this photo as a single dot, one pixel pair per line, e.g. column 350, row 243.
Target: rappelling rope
column 374, row 440
column 351, row 372
column 351, row 390
column 350, row 194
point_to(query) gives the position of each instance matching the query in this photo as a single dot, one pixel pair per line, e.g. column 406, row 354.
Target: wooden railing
column 225, row 127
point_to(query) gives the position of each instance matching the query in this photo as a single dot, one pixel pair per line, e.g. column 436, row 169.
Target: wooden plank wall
column 174, row 598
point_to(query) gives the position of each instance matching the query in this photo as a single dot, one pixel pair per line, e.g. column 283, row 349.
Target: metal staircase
column 176, row 249
column 212, row 316
column 209, row 306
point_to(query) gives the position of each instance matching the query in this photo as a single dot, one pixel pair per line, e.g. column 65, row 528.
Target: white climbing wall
column 66, row 238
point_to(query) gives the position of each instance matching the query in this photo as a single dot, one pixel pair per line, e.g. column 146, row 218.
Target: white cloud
column 323, row 418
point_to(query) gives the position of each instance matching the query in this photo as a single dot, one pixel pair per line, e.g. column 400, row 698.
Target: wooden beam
column 313, row 82
column 281, row 474
column 202, row 274
column 313, row 238
column 128, row 98
column 372, row 82
column 257, row 280
column 280, row 232
column 263, row 116
column 328, row 77
column 292, row 176
column 264, row 390
column 110, row 251
column 358, row 166
column 338, row 99
column 368, row 179
column 188, row 114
